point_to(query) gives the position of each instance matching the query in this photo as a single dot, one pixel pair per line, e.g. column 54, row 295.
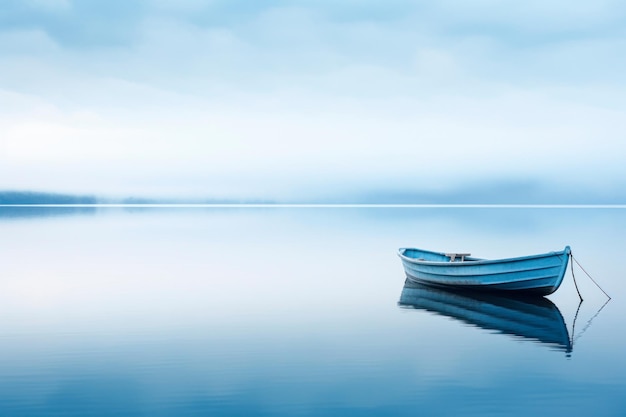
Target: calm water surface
column 300, row 312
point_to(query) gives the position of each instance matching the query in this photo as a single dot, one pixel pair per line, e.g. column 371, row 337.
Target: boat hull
column 537, row 274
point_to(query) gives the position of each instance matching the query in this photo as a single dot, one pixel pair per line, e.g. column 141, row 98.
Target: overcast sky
column 281, row 99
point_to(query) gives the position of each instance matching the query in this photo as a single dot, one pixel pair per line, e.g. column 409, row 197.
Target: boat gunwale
column 478, row 261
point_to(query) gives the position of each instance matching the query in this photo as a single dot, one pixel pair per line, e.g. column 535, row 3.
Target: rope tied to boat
column 575, row 337
column 571, row 264
column 587, row 273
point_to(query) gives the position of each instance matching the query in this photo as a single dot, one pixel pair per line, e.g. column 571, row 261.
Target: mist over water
column 295, row 312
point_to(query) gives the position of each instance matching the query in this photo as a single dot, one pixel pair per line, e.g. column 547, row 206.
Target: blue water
column 293, row 312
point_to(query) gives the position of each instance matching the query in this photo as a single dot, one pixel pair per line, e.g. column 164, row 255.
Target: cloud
column 277, row 97
column 74, row 24
column 534, row 17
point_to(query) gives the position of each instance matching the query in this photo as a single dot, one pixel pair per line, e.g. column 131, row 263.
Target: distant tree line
column 29, row 197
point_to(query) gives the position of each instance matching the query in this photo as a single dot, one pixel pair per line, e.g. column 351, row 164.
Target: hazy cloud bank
column 278, row 99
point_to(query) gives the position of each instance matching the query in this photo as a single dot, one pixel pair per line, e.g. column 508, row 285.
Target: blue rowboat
column 536, row 274
column 531, row 318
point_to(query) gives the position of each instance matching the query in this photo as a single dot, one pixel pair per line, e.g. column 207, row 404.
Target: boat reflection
column 532, row 318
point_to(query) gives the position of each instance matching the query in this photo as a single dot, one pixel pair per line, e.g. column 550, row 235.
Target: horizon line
column 317, row 205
